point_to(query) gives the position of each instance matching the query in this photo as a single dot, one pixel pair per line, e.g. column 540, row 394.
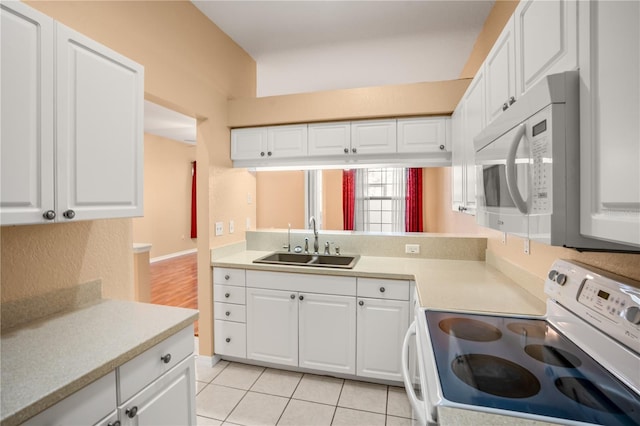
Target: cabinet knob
column 361, row 303
column 382, row 290
column 262, row 154
column 354, row 150
column 166, row 358
column 512, row 100
column 228, row 339
column 116, row 423
column 69, row 214
column 269, row 153
column 227, row 295
column 49, row 215
column 505, row 106
column 226, row 277
column 293, row 296
column 301, row 297
column 227, row 313
column 131, row 412
column 346, row 150
column 442, row 147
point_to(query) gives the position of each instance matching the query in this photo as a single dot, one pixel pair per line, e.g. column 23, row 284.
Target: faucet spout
column 316, row 244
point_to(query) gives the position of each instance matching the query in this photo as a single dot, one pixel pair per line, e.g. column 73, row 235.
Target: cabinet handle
column 512, row 100
column 226, row 277
column 361, row 303
column 442, row 147
column 505, row 106
column 227, row 313
column 131, row 413
column 49, row 215
column 382, row 289
column 262, row 154
column 166, row 358
column 228, row 339
column 116, row 423
column 269, row 153
column 301, row 297
column 346, row 150
column 293, row 296
column 354, row 150
column 227, row 295
column 69, row 214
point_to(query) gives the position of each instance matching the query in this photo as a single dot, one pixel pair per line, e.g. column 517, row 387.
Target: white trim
column 172, row 255
column 208, row 361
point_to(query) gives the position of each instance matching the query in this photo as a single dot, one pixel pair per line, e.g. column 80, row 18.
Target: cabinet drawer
column 148, row 366
column 229, row 294
column 229, row 312
column 230, row 338
column 228, row 276
column 383, row 289
column 88, row 406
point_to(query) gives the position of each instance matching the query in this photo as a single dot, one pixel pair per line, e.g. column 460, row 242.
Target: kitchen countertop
column 49, row 359
column 463, row 285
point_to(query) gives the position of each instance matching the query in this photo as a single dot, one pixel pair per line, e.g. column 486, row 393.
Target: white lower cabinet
column 327, row 332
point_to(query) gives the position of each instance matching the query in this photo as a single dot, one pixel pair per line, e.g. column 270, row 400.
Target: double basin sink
column 307, row 259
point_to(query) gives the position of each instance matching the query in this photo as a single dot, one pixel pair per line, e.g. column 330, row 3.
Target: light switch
column 219, row 228
column 231, row 227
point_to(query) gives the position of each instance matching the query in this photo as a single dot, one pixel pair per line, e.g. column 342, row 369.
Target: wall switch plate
column 412, row 248
column 219, row 228
column 231, row 227
column 248, row 226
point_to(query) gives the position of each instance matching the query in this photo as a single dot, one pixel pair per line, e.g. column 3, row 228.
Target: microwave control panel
column 541, row 163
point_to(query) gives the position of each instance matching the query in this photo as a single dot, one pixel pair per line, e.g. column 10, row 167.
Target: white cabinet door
column 474, row 123
column 99, row 128
column 248, row 144
column 417, row 135
column 27, row 160
column 500, row 73
column 382, row 325
column 287, row 141
column 168, row 401
column 272, row 326
column 609, row 112
column 327, row 332
column 457, row 158
column 329, row 138
column 373, row 137
column 546, row 39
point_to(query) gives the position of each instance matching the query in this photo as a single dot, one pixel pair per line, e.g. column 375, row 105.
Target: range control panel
column 609, row 302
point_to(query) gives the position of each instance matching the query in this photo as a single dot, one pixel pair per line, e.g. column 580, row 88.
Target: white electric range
column 577, row 365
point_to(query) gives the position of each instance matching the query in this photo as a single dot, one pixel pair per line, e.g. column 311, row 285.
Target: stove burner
column 527, row 329
column 496, row 376
column 553, row 356
column 470, row 329
column 586, row 393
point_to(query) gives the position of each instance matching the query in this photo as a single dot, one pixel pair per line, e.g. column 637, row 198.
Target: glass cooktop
column 525, row 365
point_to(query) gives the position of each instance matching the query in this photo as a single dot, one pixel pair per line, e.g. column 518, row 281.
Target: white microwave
column 527, row 165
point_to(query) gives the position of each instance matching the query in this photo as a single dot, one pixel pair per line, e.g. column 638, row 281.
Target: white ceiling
column 168, row 123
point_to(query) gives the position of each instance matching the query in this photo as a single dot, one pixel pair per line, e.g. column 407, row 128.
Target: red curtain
column 413, row 218
column 194, row 216
column 348, row 199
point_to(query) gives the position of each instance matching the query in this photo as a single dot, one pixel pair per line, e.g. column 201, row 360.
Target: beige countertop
column 49, row 359
column 464, row 285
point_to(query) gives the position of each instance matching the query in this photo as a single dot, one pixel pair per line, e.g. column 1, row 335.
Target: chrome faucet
column 316, row 244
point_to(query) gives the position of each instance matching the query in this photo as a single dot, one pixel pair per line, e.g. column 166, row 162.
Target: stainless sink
column 300, row 259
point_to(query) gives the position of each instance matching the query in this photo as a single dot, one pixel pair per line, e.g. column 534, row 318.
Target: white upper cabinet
column 27, row 169
column 474, row 122
column 457, row 158
column 500, row 73
column 255, row 143
column 373, row 137
column 89, row 135
column 609, row 117
column 423, row 135
column 330, row 138
column 546, row 39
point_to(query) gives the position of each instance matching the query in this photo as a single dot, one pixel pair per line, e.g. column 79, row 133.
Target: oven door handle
column 417, row 405
column 512, row 181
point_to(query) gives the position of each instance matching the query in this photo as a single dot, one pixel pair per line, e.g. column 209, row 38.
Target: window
column 380, row 200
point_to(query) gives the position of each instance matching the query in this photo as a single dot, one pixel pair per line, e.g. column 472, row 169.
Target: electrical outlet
column 231, row 227
column 219, row 228
column 412, row 248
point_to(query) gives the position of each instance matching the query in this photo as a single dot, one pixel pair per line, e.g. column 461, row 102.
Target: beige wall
column 166, row 224
column 332, row 199
column 280, row 199
column 190, row 66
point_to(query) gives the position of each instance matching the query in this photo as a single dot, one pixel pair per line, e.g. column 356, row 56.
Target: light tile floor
column 240, row 394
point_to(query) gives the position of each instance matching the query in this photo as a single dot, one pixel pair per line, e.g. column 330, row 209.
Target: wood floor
column 174, row 282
